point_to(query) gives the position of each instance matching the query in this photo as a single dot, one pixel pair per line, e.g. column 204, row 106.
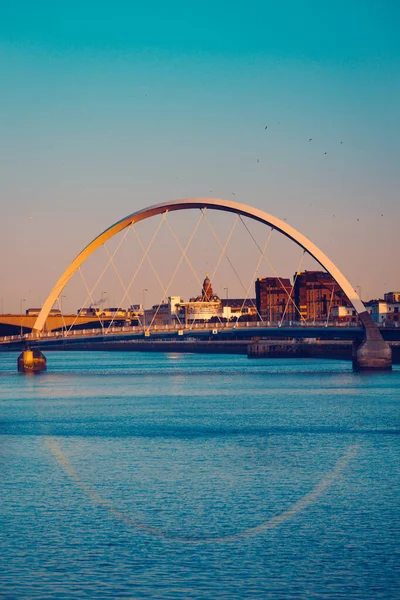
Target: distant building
column 92, row 311
column 207, row 293
column 204, row 307
column 240, row 308
column 343, row 314
column 384, row 312
column 315, row 293
column 274, row 299
column 113, row 312
column 393, row 313
column 136, row 308
column 158, row 314
column 34, row 312
column 392, row 297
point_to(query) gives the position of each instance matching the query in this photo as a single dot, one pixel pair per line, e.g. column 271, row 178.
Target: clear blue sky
column 106, row 107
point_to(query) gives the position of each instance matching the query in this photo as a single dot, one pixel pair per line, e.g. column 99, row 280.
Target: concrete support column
column 31, row 361
column 373, row 353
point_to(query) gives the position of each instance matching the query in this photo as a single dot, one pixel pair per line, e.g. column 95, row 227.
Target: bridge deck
column 216, row 332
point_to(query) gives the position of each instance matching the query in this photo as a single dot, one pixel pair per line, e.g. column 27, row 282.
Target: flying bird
column 233, row 194
column 266, row 127
column 325, row 153
column 358, row 219
column 258, row 160
column 310, row 140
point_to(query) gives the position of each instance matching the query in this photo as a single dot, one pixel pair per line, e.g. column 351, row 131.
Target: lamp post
column 103, row 294
column 226, row 306
column 144, row 311
column 61, row 310
column 22, row 301
column 313, row 301
column 269, row 305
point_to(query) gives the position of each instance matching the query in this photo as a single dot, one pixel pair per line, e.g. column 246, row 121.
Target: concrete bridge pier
column 373, row 353
column 31, row 361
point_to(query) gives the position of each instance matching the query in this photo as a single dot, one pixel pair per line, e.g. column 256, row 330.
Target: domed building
column 207, row 293
column 203, row 307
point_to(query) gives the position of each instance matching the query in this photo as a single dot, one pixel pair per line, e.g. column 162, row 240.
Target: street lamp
column 269, row 304
column 61, row 308
column 144, row 312
column 61, row 311
column 22, row 301
column 103, row 296
column 313, row 300
column 226, row 306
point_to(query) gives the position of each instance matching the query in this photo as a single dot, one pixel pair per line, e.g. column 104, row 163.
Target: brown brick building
column 274, row 299
column 311, row 298
column 315, row 292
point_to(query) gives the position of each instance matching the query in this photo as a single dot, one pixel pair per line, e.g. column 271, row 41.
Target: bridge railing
column 46, row 335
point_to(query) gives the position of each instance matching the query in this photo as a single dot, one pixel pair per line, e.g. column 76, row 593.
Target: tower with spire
column 207, row 291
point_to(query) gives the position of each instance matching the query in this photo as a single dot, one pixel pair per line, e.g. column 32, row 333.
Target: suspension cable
column 262, row 253
column 292, row 290
column 330, row 305
column 164, row 290
column 184, row 253
column 144, row 256
column 177, row 266
column 64, row 325
column 218, row 262
column 276, row 274
column 126, row 292
column 90, row 292
column 228, row 259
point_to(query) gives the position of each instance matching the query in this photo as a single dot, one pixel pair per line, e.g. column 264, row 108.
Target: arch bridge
column 373, row 352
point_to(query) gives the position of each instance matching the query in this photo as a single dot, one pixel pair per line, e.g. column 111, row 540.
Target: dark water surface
column 129, row 475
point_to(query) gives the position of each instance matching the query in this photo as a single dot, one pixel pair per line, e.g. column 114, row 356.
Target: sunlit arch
column 199, row 203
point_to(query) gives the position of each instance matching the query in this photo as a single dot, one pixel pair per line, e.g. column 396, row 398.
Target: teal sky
column 106, row 107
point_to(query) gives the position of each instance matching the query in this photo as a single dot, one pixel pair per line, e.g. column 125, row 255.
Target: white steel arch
column 200, row 203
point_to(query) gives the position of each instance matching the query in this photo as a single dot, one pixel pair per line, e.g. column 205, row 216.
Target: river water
column 129, row 475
